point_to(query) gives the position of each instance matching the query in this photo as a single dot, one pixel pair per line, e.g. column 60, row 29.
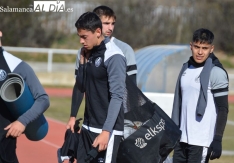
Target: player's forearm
column 80, row 78
column 77, row 97
column 222, row 113
column 113, row 112
column 116, row 69
column 38, row 108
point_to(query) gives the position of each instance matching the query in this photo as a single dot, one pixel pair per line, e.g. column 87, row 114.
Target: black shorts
column 85, row 145
column 8, row 150
column 185, row 153
column 7, row 145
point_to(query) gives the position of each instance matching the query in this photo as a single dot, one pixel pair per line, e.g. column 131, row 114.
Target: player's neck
column 100, row 39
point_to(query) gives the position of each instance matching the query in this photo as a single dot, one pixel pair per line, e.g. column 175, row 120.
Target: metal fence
column 49, row 51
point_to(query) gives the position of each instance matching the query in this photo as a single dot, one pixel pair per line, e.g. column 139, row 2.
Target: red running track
column 59, row 92
column 67, row 92
column 43, row 151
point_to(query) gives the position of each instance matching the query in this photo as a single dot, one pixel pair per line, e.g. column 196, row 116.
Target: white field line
column 51, row 144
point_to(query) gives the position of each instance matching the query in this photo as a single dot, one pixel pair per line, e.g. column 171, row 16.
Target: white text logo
column 155, row 130
column 140, row 142
column 51, row 6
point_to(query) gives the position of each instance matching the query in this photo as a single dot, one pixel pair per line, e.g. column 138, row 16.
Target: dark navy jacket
column 103, row 81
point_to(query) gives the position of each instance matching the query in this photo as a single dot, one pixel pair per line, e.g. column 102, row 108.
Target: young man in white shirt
column 201, row 103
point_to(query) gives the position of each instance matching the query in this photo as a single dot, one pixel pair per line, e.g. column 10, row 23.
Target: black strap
column 4, row 68
column 5, row 117
column 4, row 113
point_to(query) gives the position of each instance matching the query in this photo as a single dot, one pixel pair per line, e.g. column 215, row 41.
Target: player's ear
column 191, row 44
column 98, row 32
column 212, row 49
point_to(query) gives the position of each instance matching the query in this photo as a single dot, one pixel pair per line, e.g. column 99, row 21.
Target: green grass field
column 60, row 109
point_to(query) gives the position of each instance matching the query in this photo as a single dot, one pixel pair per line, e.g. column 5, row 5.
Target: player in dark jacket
column 11, row 128
column 108, row 19
column 101, row 75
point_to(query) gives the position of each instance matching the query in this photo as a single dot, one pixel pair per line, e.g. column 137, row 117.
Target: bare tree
column 24, row 28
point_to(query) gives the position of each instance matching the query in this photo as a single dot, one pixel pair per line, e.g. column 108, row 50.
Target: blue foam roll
column 18, row 99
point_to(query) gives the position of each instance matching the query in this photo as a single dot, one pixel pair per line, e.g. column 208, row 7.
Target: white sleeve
column 219, row 81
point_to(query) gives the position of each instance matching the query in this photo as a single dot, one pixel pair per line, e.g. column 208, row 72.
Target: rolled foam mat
column 18, row 99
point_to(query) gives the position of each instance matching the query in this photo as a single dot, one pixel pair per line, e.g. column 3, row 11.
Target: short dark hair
column 203, row 36
column 89, row 21
column 104, row 11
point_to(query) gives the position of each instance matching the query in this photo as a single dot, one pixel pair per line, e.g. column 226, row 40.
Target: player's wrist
column 218, row 138
column 72, row 118
column 105, row 132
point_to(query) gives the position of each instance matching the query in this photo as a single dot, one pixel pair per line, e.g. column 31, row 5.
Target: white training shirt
column 196, row 130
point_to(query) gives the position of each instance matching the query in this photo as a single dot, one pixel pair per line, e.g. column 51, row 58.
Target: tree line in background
column 25, row 28
column 147, row 22
column 139, row 22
